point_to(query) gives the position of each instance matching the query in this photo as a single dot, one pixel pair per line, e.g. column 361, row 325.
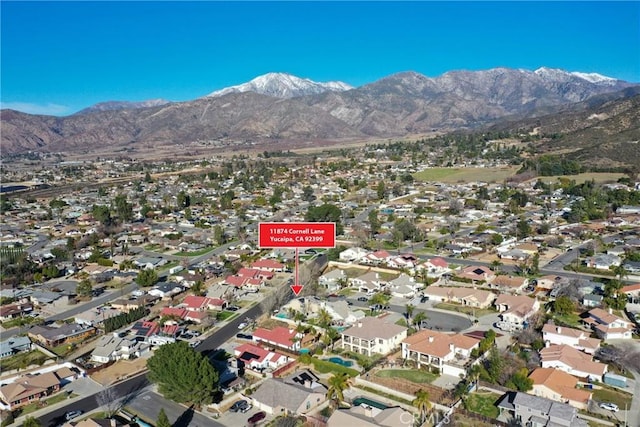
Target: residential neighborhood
column 490, row 291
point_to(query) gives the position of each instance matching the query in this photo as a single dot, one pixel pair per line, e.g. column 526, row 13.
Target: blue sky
column 57, row 58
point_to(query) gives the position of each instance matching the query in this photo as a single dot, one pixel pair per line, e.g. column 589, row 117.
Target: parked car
column 363, row 299
column 72, row 414
column 257, row 417
column 242, row 325
column 240, row 406
column 609, row 406
column 244, row 336
column 424, row 299
column 194, row 344
column 232, row 308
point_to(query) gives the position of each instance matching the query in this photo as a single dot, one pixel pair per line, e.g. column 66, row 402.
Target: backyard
column 23, row 360
column 413, row 375
column 483, row 403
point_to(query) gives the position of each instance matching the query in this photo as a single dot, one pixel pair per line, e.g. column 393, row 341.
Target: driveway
column 148, row 404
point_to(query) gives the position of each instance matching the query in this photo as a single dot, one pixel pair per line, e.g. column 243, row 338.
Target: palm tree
column 338, row 383
column 496, row 264
column 422, row 403
column 324, row 318
column 330, row 336
column 419, row 318
column 198, row 288
column 409, row 312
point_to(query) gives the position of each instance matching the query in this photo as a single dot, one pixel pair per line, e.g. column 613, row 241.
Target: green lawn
column 478, row 312
column 169, row 265
column 572, row 319
column 413, row 375
column 196, row 253
column 22, row 360
column 453, row 175
column 614, row 396
column 347, row 292
column 225, row 315
column 483, row 403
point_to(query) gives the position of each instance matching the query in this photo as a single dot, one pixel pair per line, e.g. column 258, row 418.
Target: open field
column 483, row 403
column 599, row 177
column 453, row 175
column 413, row 375
column 614, row 396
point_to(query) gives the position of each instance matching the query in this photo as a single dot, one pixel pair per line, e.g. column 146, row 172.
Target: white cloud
column 31, row 108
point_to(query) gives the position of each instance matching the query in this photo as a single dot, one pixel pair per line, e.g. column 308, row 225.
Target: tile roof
column 560, row 382
column 573, row 358
column 373, row 327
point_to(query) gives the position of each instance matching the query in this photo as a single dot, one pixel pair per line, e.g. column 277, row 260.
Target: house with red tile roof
column 198, row 303
column 280, row 337
column 257, row 358
column 559, row 386
column 268, row 265
column 572, row 361
column 255, row 273
column 445, row 352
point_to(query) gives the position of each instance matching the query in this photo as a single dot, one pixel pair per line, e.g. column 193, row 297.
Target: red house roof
column 267, row 263
column 280, row 335
column 194, row 302
column 439, row 262
column 174, row 311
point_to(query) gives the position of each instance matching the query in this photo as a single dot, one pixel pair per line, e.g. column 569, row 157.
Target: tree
column 307, row 194
column 147, row 178
column 422, row 403
column 563, row 305
column 330, row 336
column 409, row 312
column 182, row 374
column 374, row 222
column 198, row 288
column 381, row 190
column 338, row 383
column 124, row 209
column 163, row 420
column 102, row 214
column 324, row 318
column 147, row 278
column 326, row 213
column 31, row 422
column 183, row 200
column 109, row 399
column 84, row 288
column 419, row 318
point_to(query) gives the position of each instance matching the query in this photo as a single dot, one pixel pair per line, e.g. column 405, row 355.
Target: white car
column 609, row 406
column 72, row 414
column 242, row 325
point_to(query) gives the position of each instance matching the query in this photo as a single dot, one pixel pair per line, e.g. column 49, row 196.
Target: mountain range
column 279, row 107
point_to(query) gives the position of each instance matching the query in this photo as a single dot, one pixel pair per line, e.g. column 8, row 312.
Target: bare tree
column 109, row 399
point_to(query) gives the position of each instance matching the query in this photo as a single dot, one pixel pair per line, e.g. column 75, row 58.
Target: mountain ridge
column 405, row 103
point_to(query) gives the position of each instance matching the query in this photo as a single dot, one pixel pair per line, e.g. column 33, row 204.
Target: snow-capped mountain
column 557, row 74
column 283, row 85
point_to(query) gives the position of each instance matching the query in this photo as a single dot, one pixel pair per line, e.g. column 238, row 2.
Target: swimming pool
column 364, row 401
column 340, row 361
column 282, row 315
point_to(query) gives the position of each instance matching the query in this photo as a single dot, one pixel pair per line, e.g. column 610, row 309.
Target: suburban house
column 592, row 300
column 559, row 386
column 14, row 345
column 11, row 311
column 369, row 282
column 32, row 387
column 515, row 310
column 511, row 284
column 197, row 303
column 352, row 254
column 112, row 347
column 333, row 279
column 295, row 395
column 68, row 332
column 575, row 338
column 572, row 361
column 127, row 305
column 375, row 258
column 607, row 325
column 529, row 410
column 446, row 353
column 370, row 416
column 269, row 265
column 280, row 336
column 476, row 273
column 404, row 286
column 257, row 358
column 96, row 316
column 149, row 263
column 166, row 289
column 465, row 296
column 435, row 267
column 603, row 261
column 373, row 335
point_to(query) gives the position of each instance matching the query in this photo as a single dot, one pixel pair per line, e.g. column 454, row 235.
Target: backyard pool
column 282, row 315
column 340, row 361
column 364, row 401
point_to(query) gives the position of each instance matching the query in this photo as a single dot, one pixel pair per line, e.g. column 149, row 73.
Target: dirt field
column 119, row 370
